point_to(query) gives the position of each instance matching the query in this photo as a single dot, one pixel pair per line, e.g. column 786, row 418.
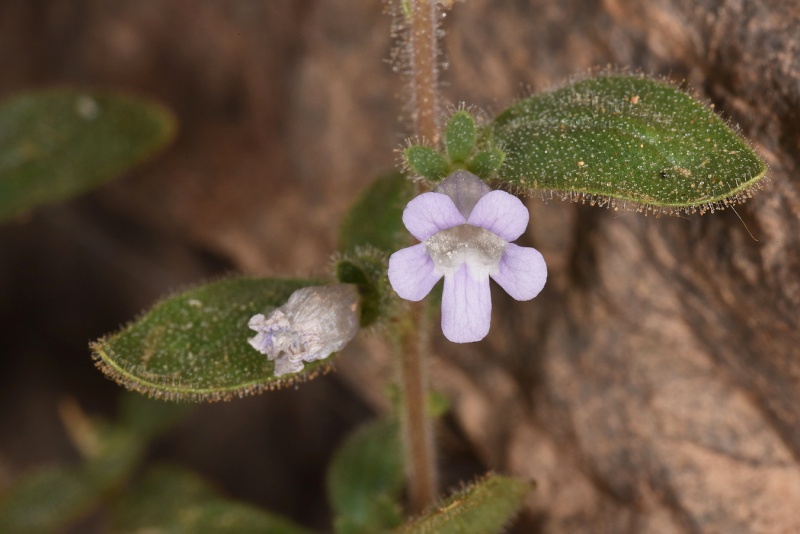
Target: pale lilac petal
column 522, row 272
column 500, row 213
column 430, row 213
column 260, row 342
column 411, row 272
column 466, row 307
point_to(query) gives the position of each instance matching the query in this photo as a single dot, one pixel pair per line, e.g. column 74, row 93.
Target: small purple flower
column 315, row 322
column 466, row 231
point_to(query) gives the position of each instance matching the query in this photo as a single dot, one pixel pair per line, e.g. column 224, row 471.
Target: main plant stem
column 423, row 63
column 420, row 453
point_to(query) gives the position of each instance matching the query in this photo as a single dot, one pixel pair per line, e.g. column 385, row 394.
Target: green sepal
column 426, row 162
column 460, row 136
column 486, row 163
column 366, row 267
column 59, row 143
column 485, row 507
column 173, row 500
column 629, row 142
column 193, row 346
column 365, row 480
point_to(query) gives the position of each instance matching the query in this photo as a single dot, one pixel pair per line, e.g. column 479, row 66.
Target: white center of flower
column 479, row 248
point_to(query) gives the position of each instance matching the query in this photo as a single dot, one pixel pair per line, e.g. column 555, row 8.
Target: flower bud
column 315, row 322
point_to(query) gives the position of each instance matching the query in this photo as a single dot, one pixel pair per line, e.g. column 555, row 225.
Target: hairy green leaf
column 629, row 142
column 193, row 346
column 485, row 507
column 365, row 479
column 59, row 143
column 175, row 501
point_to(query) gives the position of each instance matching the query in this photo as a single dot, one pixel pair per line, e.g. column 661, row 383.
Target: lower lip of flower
column 479, row 248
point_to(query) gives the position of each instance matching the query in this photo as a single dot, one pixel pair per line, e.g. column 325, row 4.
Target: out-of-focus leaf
column 482, row 508
column 175, row 501
column 120, row 451
column 51, row 499
column 148, row 417
column 376, row 218
column 437, row 405
column 193, row 346
column 365, row 480
column 46, row 501
column 627, row 141
column 60, row 143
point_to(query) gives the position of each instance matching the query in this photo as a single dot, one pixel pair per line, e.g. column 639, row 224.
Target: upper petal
column 464, row 188
column 501, row 213
column 430, row 213
column 466, row 307
column 411, row 272
column 522, row 272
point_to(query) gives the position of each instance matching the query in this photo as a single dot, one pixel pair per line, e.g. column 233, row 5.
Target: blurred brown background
column 654, row 386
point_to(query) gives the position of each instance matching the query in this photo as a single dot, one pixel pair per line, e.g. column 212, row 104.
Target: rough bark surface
column 654, row 386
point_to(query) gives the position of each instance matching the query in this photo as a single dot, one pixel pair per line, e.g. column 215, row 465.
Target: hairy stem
column 420, row 453
column 422, row 56
column 423, row 62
